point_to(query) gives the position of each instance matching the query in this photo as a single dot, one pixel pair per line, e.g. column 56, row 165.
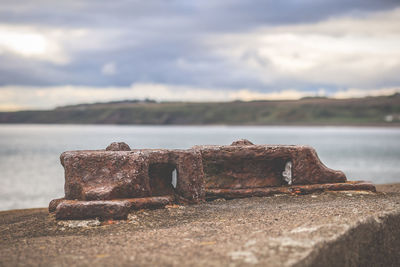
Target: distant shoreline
column 382, row 111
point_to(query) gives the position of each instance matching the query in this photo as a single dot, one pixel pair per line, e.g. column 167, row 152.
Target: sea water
column 31, row 174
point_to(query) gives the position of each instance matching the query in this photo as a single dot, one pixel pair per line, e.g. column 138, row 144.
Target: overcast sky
column 54, row 53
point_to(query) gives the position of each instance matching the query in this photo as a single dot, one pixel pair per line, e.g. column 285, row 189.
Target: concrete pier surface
column 352, row 228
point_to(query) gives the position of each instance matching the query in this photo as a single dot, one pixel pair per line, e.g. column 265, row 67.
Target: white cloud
column 109, row 69
column 54, row 44
column 39, row 43
column 28, row 97
column 345, row 52
column 26, row 44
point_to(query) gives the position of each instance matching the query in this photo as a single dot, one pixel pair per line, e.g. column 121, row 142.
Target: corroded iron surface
column 74, row 209
column 105, row 175
column 296, row 190
column 150, row 202
column 97, row 182
column 254, row 166
column 54, row 203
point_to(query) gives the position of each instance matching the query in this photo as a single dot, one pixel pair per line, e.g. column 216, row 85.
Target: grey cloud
column 157, row 37
column 205, row 15
column 24, row 71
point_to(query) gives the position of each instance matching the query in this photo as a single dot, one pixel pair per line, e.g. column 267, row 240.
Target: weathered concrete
column 319, row 229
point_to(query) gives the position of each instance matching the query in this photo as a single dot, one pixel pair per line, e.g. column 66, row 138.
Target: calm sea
column 31, row 174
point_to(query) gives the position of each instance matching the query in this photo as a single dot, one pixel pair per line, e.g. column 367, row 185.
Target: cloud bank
column 68, row 52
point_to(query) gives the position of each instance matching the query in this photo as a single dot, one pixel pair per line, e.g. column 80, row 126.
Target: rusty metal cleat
column 108, row 183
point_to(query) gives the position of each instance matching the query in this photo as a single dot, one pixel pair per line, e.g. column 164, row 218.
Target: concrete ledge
column 374, row 241
column 351, row 228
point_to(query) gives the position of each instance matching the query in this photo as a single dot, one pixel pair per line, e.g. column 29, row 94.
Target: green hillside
column 383, row 110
